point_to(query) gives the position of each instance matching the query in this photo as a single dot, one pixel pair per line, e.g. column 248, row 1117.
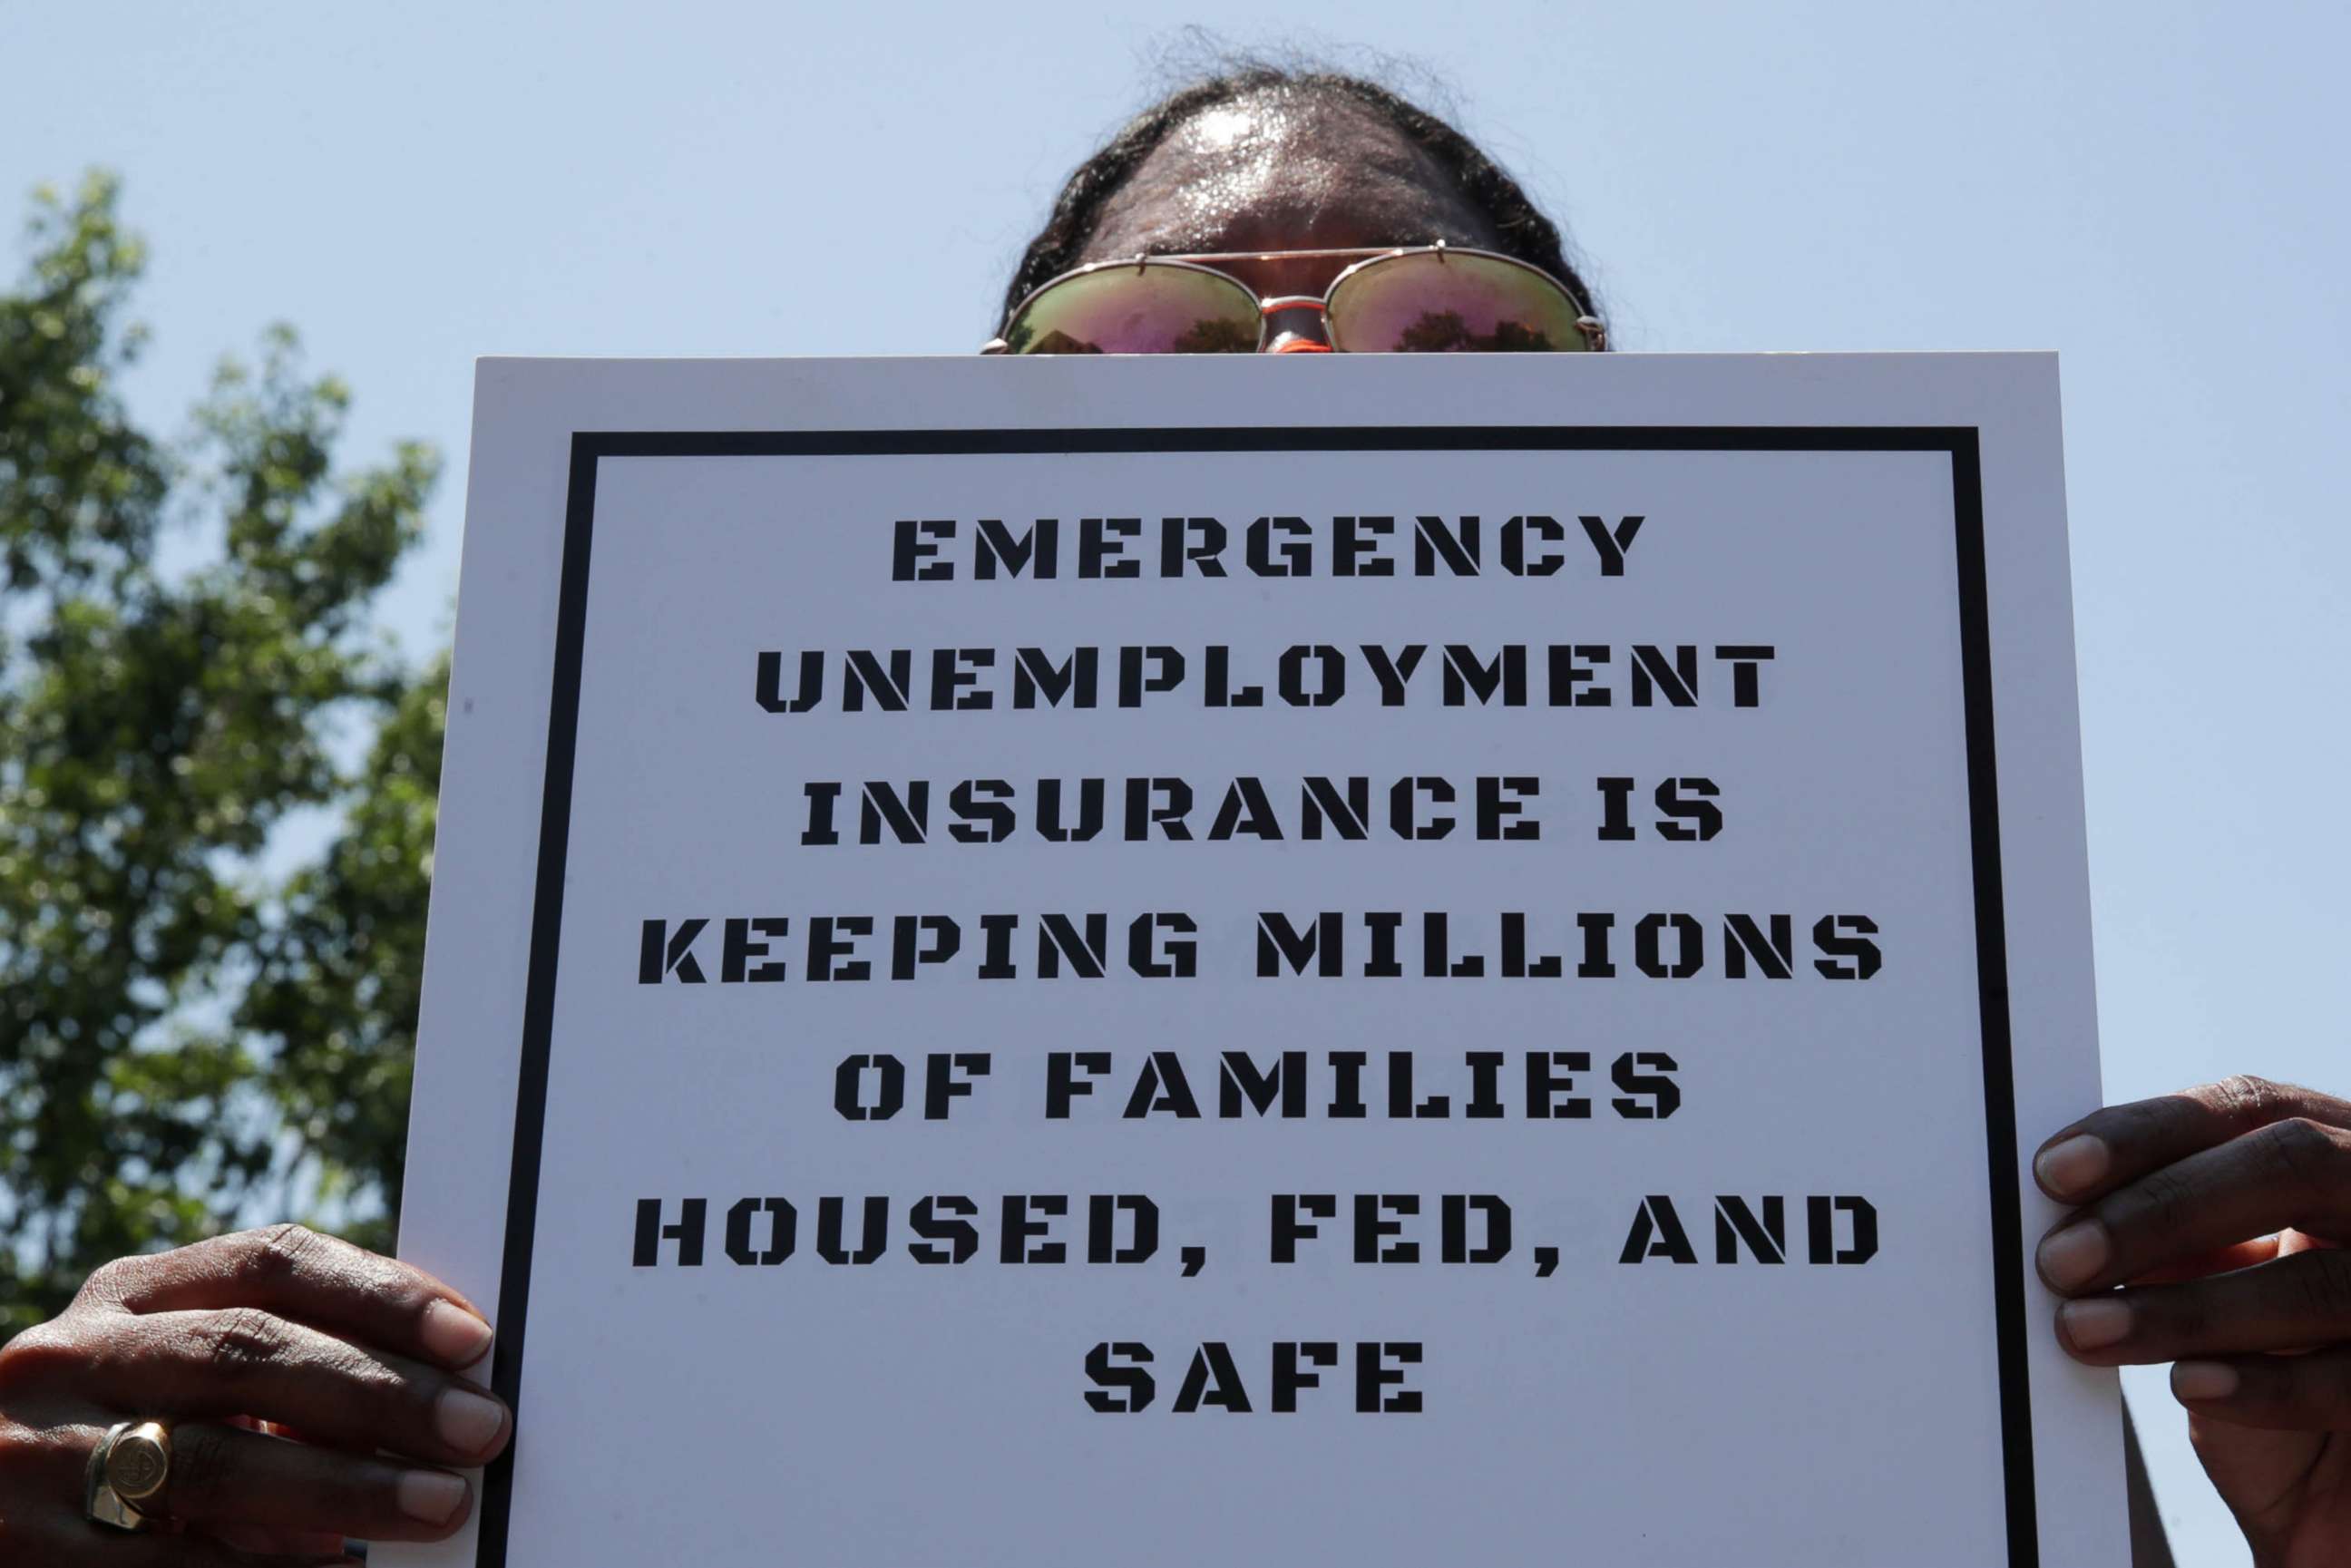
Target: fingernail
column 2203, row 1380
column 2073, row 1164
column 468, row 1422
column 454, row 1336
column 2097, row 1323
column 430, row 1497
column 2075, row 1255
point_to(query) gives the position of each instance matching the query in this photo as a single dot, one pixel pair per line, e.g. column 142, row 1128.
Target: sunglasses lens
column 1430, row 304
column 1138, row 310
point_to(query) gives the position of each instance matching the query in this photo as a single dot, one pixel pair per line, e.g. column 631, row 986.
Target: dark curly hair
column 1522, row 230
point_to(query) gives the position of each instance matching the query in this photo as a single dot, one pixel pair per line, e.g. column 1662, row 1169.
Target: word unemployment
column 1304, row 674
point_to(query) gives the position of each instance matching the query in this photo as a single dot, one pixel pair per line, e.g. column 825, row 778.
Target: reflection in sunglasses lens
column 1427, row 304
column 1130, row 310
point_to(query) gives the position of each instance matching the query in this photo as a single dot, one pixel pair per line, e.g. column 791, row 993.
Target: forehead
column 1285, row 169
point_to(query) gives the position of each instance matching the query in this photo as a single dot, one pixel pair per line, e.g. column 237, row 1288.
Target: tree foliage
column 182, row 1035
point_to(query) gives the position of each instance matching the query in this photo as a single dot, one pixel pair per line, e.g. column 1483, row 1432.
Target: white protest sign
column 1380, row 960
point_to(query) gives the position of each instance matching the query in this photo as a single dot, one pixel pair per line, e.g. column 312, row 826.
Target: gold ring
column 128, row 1471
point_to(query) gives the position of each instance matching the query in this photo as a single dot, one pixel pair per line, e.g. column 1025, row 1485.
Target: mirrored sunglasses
column 1424, row 299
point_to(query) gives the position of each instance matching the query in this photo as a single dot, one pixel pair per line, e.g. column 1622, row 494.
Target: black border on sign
column 1984, row 802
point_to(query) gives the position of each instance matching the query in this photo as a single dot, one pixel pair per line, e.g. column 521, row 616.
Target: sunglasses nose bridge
column 1295, row 324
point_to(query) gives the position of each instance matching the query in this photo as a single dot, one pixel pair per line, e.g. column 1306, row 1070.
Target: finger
column 2300, row 1393
column 2292, row 1172
column 2290, row 1304
column 318, row 1279
column 262, row 1542
column 76, row 1540
column 2243, row 1255
column 221, row 1476
column 2123, row 1143
column 197, row 1552
column 245, row 1362
column 54, row 1465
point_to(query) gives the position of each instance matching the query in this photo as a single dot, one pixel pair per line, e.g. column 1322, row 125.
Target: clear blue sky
column 2155, row 190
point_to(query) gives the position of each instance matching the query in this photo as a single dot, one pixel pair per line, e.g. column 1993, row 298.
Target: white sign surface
column 1374, row 960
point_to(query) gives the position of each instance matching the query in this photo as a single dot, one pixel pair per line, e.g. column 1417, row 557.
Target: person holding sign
column 1260, row 212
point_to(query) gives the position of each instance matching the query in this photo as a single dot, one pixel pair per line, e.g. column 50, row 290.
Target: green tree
column 341, row 970
column 181, row 1038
